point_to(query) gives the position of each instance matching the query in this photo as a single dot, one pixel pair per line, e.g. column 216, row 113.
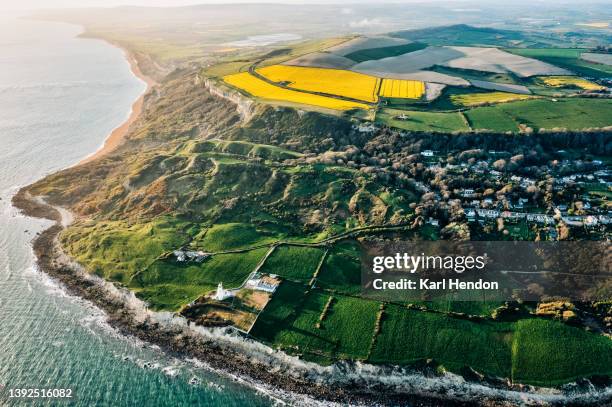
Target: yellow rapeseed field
column 400, row 88
column 475, row 99
column 561, row 81
column 265, row 90
column 338, row 82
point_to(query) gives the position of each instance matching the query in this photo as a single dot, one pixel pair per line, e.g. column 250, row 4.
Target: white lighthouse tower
column 221, row 293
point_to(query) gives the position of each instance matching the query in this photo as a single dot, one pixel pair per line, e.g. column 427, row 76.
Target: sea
column 60, row 96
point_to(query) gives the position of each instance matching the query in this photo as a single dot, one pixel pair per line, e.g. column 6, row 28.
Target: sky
column 47, row 4
column 34, row 4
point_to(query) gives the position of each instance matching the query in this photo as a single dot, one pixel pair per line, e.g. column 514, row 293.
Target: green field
column 229, row 236
column 547, row 352
column 229, row 269
column 525, row 350
column 423, row 121
column 571, row 114
column 478, row 75
column 491, row 118
column 384, row 52
column 341, row 270
column 171, row 297
column 350, row 324
column 344, row 332
column 461, row 34
column 533, row 351
column 568, row 113
column 473, row 307
column 293, row 262
column 300, row 332
column 108, row 248
column 284, row 305
column 452, row 342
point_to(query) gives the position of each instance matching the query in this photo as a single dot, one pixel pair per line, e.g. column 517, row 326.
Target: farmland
column 477, row 99
column 571, row 81
column 293, row 262
column 341, row 270
column 308, row 327
column 286, row 300
column 467, row 87
column 321, row 80
column 539, row 344
column 404, row 89
column 384, row 52
column 449, row 340
column 504, row 349
column 491, row 118
column 537, row 113
column 571, row 113
column 262, row 89
column 423, row 121
column 568, row 58
column 230, row 269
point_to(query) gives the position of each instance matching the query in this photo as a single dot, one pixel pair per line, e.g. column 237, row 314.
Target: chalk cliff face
column 244, row 105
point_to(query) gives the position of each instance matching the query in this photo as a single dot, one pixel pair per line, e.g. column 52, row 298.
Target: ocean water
column 59, row 98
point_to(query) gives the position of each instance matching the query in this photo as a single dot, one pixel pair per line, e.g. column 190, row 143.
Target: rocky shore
column 185, row 342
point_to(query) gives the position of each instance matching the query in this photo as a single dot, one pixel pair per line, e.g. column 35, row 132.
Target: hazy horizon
column 51, row 4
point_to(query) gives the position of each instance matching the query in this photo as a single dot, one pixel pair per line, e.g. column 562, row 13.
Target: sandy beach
column 116, row 137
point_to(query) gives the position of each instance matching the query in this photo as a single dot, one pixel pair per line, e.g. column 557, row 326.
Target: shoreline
column 118, row 134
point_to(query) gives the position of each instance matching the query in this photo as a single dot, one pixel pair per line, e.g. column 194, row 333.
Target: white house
column 267, row 283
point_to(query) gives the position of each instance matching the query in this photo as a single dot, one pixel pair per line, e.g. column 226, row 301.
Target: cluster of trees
column 603, row 49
